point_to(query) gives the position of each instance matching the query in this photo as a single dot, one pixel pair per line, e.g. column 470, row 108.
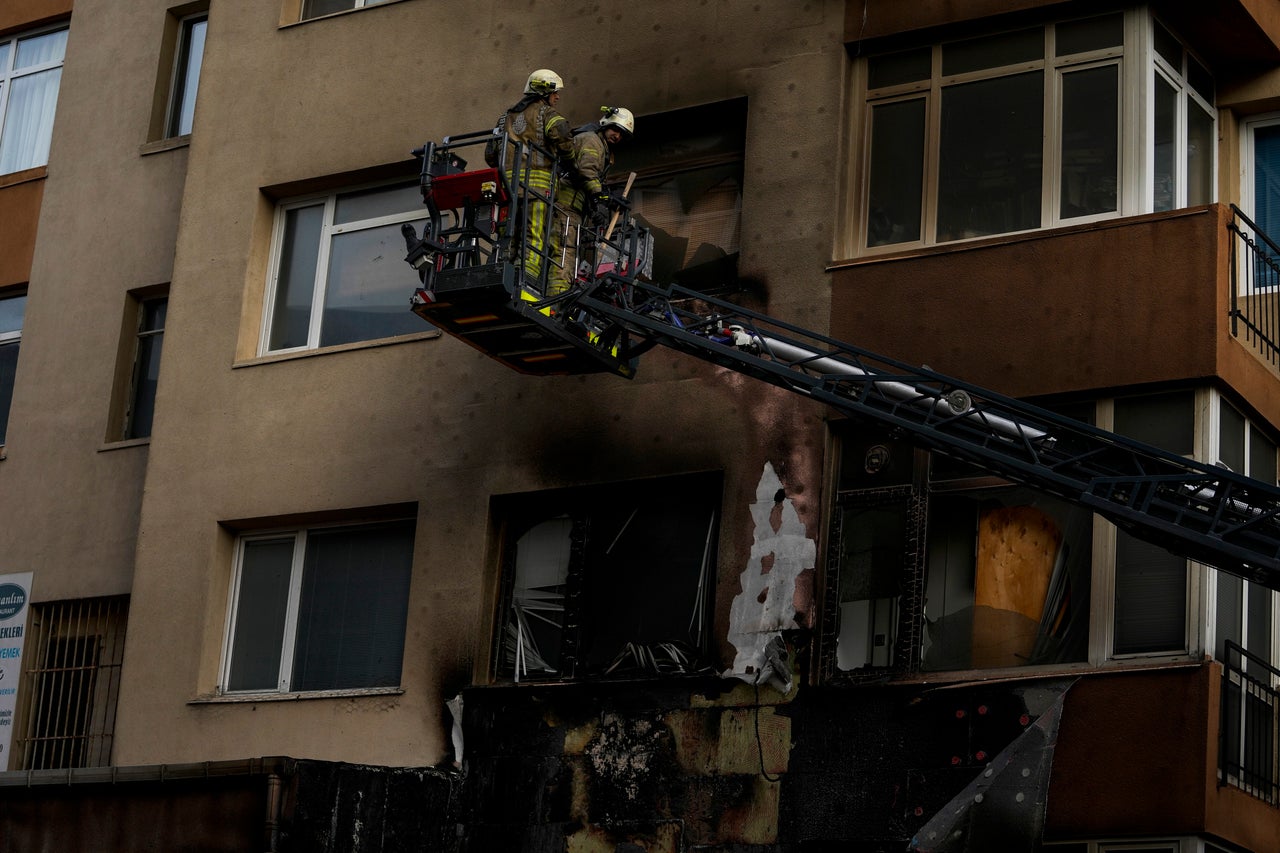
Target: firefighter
column 582, row 191
column 534, row 120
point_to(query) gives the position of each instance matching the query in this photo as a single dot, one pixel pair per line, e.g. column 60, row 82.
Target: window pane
column 187, row 79
column 316, row 8
column 376, row 202
column 990, row 162
column 5, row 48
column 993, row 51
column 897, row 172
column 365, row 291
column 11, row 313
column 893, row 69
column 147, row 368
column 1200, row 79
column 41, row 49
column 1229, row 622
column 1230, row 437
column 28, row 122
column 1167, row 46
column 260, row 614
column 1164, row 420
column 1151, row 598
column 1090, row 142
column 295, row 286
column 352, row 611
column 1165, row 160
column 8, row 368
column 1259, row 640
column 1262, row 457
column 695, row 218
column 1090, row 34
column 1200, row 137
column 1266, row 178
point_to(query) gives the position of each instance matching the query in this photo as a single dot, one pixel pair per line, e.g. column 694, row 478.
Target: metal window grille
column 1250, row 714
column 70, row 683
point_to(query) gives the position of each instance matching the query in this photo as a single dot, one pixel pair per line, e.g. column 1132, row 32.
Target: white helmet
column 619, row 117
column 544, row 81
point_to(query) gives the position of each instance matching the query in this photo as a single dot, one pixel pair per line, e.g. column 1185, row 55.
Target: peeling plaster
column 780, row 552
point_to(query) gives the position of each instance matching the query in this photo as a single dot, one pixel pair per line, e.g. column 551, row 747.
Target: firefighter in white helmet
column 534, row 120
column 583, row 191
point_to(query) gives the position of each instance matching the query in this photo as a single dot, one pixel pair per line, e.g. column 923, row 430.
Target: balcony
column 1143, row 300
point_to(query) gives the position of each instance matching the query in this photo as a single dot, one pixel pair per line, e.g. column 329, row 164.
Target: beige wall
column 430, row 421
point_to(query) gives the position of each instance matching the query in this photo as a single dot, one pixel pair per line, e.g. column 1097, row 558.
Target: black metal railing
column 1255, row 286
column 1247, row 735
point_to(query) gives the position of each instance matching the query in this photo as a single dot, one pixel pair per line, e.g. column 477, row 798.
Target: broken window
column 938, row 566
column 688, row 191
column 608, row 581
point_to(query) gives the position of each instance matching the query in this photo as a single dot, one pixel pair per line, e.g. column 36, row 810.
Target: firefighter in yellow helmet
column 534, row 120
column 582, row 191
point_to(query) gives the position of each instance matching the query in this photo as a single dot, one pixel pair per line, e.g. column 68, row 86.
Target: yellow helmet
column 619, row 117
column 544, row 81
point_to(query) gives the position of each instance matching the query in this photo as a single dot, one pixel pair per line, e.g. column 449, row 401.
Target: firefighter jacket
column 591, row 160
column 536, row 122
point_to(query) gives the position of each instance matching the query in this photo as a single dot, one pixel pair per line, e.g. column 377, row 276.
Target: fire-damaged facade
column 299, row 571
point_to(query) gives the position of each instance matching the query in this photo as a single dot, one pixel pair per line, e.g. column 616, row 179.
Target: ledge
column 255, row 698
column 358, row 345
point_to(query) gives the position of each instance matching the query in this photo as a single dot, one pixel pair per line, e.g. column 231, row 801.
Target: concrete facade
column 421, row 426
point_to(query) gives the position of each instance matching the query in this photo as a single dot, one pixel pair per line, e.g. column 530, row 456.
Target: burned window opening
column 937, row 566
column 609, row 582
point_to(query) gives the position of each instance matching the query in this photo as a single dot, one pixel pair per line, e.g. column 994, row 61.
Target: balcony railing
column 1255, row 287
column 1250, row 711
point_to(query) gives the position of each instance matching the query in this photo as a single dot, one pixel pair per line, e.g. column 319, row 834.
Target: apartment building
column 302, row 573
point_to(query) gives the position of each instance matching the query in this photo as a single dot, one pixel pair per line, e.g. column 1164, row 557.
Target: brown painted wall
column 1138, row 754
column 15, row 17
column 19, row 210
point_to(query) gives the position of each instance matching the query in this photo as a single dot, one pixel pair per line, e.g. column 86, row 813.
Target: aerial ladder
column 475, row 287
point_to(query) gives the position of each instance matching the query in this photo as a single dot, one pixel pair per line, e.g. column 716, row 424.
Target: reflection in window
column 337, row 276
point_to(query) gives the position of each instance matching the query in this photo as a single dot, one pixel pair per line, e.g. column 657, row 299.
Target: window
column 1183, row 125
column 70, row 682
column 146, row 367
column 688, row 190
column 318, row 8
column 186, row 74
column 1151, row 584
column 30, row 71
column 938, row 566
column 320, row 608
column 1024, row 130
column 12, row 309
column 338, row 271
column 608, row 581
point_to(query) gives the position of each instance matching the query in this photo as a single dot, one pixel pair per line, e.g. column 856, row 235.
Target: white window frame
column 284, row 679
column 6, row 339
column 1103, row 588
column 327, row 232
column 182, row 70
column 8, row 73
column 1137, row 63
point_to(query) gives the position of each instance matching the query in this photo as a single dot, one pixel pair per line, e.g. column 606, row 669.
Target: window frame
column 1137, row 64
column 289, row 627
column 11, row 338
column 356, row 5
column 131, row 402
column 328, row 200
column 181, row 72
column 8, row 74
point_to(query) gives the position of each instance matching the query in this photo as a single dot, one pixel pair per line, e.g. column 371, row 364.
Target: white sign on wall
column 15, row 593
